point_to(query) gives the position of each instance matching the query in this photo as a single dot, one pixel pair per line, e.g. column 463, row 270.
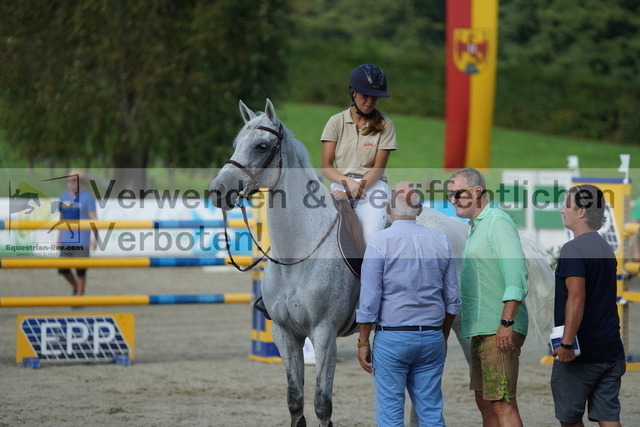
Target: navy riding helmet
column 369, row 79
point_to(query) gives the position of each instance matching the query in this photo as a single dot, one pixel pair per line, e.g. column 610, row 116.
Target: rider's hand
column 355, row 189
column 339, row 195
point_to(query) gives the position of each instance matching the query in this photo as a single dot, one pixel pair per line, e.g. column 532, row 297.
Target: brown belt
column 408, row 328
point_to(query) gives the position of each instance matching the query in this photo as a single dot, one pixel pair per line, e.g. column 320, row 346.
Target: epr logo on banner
column 75, row 337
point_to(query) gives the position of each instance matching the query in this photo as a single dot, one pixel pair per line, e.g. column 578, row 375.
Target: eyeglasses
column 457, row 193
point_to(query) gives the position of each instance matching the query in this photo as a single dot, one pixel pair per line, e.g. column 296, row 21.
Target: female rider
column 356, row 147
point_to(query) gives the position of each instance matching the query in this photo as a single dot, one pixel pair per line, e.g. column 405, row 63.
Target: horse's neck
column 300, row 212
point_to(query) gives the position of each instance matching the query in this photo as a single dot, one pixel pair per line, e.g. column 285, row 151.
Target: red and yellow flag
column 472, row 41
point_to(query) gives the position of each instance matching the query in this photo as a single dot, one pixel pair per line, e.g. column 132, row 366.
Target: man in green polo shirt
column 493, row 286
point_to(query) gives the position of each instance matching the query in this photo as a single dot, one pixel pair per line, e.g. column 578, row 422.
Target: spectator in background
column 76, row 204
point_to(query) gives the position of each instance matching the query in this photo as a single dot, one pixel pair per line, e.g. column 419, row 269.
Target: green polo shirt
column 493, row 271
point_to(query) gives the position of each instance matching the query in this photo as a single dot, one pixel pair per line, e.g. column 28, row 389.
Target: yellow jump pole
column 56, row 301
column 91, row 262
column 141, row 262
column 263, row 348
column 105, row 224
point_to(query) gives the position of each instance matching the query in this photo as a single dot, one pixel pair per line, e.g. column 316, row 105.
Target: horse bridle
column 277, row 148
column 243, row 194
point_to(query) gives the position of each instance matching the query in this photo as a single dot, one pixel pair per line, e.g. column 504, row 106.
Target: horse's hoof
column 302, row 422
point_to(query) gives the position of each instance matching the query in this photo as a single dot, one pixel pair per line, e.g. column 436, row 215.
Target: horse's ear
column 270, row 111
column 246, row 113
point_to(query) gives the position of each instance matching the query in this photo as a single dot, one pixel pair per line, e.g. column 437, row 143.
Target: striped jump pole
column 105, row 224
column 139, row 262
column 263, row 346
column 631, row 229
column 55, row 301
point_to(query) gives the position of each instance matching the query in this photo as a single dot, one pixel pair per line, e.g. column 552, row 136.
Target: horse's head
column 256, row 162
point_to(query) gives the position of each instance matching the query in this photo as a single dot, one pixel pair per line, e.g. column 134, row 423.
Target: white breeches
column 371, row 210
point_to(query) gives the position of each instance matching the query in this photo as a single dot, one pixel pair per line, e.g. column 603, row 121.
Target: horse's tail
column 540, row 298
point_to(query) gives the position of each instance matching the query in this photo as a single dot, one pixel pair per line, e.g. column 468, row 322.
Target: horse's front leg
column 290, row 348
column 325, row 348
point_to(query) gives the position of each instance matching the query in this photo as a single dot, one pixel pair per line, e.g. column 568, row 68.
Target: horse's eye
column 261, row 147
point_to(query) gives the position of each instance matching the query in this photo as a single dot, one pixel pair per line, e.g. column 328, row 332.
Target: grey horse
column 314, row 298
column 308, row 290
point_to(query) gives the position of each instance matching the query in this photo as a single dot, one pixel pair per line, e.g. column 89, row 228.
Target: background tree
column 135, row 84
column 565, row 67
column 590, row 38
column 404, row 37
column 571, row 68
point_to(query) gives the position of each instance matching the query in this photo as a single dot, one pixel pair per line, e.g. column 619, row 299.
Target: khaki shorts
column 492, row 372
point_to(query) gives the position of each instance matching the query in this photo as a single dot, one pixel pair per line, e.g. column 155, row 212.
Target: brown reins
column 243, row 195
column 265, row 254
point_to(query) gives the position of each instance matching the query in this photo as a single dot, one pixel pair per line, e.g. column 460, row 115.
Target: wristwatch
column 567, row 346
column 506, row 322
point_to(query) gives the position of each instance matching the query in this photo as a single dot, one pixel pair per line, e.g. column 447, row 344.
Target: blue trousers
column 413, row 361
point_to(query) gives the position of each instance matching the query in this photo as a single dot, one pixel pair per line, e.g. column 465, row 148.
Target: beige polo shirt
column 355, row 152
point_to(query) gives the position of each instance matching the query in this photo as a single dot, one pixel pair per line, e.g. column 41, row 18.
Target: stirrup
column 258, row 304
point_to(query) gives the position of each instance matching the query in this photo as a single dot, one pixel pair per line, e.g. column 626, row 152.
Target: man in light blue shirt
column 409, row 291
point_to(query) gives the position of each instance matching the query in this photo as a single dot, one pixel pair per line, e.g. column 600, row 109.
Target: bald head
column 404, row 202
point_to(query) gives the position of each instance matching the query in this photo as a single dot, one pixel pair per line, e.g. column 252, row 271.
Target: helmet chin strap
column 361, row 114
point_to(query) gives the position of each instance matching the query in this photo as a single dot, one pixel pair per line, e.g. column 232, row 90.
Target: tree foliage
column 589, row 38
column 128, row 84
column 566, row 67
column 571, row 67
column 404, row 37
column 132, row 83
column 407, row 24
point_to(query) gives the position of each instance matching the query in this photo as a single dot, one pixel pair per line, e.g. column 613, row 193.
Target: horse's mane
column 299, row 150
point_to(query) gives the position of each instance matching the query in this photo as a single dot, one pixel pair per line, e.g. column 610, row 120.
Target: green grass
column 421, row 147
column 420, row 151
column 421, row 142
column 423, row 136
